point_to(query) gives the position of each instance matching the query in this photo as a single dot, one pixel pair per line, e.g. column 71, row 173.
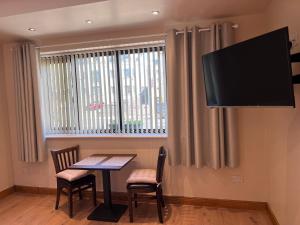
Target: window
column 106, row 92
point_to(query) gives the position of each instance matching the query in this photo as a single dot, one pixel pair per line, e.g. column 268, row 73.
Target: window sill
column 59, row 136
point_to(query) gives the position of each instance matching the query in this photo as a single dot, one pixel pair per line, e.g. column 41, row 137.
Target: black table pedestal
column 113, row 214
column 107, row 211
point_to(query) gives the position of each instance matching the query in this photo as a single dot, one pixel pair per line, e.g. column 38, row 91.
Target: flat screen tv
column 255, row 72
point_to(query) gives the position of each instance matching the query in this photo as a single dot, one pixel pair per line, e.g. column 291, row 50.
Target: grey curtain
column 29, row 136
column 198, row 136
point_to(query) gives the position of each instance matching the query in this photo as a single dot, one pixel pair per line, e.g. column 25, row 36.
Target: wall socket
column 237, row 179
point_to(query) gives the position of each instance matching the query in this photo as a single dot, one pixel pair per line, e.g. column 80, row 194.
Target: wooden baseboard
column 7, row 192
column 34, row 190
column 272, row 216
column 222, row 203
column 122, row 196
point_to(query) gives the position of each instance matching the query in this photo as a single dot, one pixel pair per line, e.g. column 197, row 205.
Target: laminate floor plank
column 33, row 209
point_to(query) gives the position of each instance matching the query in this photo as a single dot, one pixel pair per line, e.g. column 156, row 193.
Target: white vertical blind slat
column 67, row 90
column 104, row 92
column 109, row 116
column 125, row 99
column 62, row 94
column 87, row 92
column 131, row 90
column 135, row 93
column 140, row 89
column 146, row 96
column 97, row 100
column 91, row 93
column 74, row 95
column 116, row 94
column 59, row 102
column 122, row 91
column 55, row 87
column 127, row 84
column 150, row 90
column 80, row 83
column 84, row 91
column 100, row 91
column 164, row 86
column 65, row 94
column 154, row 90
column 160, row 92
column 51, row 95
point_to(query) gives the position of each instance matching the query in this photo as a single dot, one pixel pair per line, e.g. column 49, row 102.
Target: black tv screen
column 256, row 72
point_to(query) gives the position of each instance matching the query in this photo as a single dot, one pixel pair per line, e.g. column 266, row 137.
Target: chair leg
column 80, row 193
column 159, row 206
column 58, row 191
column 70, row 199
column 135, row 200
column 94, row 193
column 162, row 199
column 130, row 210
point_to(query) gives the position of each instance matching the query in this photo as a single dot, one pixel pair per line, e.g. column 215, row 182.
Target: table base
column 111, row 214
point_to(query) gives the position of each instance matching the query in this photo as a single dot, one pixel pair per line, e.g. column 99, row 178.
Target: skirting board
column 122, row 196
column 35, row 190
column 7, row 192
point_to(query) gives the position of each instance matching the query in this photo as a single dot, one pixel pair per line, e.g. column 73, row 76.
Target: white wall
column 284, row 129
column 179, row 181
column 6, row 174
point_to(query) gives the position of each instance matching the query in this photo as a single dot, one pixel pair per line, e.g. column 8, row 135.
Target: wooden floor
column 30, row 209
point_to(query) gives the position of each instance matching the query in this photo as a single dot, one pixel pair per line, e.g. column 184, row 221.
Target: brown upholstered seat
column 142, row 176
column 71, row 175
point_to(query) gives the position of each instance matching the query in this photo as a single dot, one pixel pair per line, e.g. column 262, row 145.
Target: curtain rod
column 102, row 40
column 234, row 26
column 105, row 48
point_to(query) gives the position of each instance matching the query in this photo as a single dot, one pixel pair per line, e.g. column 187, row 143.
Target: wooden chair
column 72, row 181
column 147, row 181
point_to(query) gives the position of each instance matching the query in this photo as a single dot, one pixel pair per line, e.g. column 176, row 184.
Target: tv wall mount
column 295, row 58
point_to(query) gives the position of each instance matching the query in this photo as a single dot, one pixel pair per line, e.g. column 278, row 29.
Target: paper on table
column 90, row 161
column 117, row 161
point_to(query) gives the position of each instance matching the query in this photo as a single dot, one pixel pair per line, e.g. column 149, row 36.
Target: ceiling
column 58, row 17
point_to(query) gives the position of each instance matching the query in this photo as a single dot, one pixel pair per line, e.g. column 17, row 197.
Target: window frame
column 117, row 53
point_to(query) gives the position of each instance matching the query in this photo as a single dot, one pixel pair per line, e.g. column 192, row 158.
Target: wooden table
column 106, row 162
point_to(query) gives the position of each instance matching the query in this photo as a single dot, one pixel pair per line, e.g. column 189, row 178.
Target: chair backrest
column 160, row 164
column 64, row 158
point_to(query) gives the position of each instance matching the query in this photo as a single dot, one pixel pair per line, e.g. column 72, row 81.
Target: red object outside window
column 95, row 106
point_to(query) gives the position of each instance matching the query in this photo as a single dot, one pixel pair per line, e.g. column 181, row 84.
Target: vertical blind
column 112, row 91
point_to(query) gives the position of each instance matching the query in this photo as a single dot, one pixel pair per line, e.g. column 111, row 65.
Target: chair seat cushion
column 142, row 176
column 72, row 175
